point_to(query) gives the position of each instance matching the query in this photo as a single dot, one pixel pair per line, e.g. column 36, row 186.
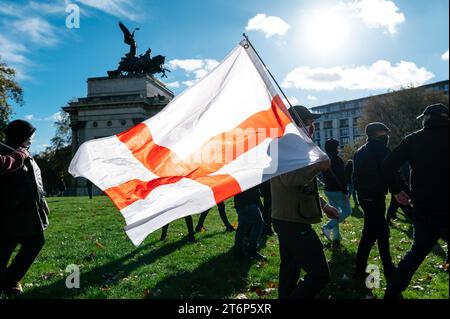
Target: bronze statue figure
column 129, row 39
column 130, row 64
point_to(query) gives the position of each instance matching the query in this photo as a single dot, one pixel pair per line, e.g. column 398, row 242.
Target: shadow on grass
column 108, row 274
column 437, row 249
column 342, row 286
column 220, row 277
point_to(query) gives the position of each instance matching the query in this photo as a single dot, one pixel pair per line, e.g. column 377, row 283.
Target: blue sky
column 320, row 51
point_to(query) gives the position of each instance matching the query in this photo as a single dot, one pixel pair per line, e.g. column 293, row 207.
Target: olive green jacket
column 295, row 196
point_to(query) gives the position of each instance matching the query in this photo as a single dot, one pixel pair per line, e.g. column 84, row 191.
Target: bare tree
column 399, row 109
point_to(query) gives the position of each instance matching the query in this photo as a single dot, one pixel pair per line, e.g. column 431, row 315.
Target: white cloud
column 269, row 25
column 311, row 98
column 58, row 7
column 58, row 116
column 377, row 13
column 175, row 84
column 292, row 99
column 11, row 51
column 38, row 30
column 380, row 75
column 119, row 8
column 445, row 56
column 52, row 118
column 188, row 65
column 199, row 68
column 190, row 82
column 10, row 10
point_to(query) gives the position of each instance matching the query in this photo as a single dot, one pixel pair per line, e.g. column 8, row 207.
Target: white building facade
column 339, row 120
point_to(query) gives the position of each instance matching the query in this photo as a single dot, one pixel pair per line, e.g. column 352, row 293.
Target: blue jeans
column 250, row 224
column 342, row 204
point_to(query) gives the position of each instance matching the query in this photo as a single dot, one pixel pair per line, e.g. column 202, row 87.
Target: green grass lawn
column 90, row 234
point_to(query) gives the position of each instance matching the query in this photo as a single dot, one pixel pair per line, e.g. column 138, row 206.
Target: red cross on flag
column 227, row 133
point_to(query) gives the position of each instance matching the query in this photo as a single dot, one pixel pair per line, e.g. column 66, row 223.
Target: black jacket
column 334, row 179
column 427, row 152
column 367, row 173
column 23, row 209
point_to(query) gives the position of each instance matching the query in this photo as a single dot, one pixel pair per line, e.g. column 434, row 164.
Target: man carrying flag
column 296, row 205
column 226, row 134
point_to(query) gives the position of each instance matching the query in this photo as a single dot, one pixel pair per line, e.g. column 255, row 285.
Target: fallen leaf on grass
column 271, row 284
column 47, row 276
column 99, row 245
column 241, row 296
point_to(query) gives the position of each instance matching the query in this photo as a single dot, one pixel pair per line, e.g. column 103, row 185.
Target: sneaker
column 327, row 233
column 191, row 240
column 258, row 257
column 14, row 291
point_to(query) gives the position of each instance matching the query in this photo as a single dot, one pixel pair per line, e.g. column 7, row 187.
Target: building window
column 355, row 121
column 344, row 132
column 343, row 123
column 344, row 141
column 328, row 134
column 356, row 131
column 327, row 125
column 317, row 135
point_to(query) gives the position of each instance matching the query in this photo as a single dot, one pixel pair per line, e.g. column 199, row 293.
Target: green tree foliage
column 399, row 109
column 10, row 91
column 54, row 163
column 63, row 135
column 54, row 160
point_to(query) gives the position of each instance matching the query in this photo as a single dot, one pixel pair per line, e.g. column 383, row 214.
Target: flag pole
column 7, row 146
column 273, row 78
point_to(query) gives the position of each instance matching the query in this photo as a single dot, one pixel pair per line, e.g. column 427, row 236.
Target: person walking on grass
column 427, row 152
column 250, row 224
column 351, row 185
column 372, row 189
column 336, row 190
column 190, row 227
column 296, row 205
column 223, row 215
column 24, row 210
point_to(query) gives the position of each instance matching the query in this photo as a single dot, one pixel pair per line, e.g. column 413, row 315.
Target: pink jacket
column 11, row 163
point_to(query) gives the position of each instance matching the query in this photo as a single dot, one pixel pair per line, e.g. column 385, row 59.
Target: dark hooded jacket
column 23, row 209
column 367, row 173
column 335, row 179
column 427, row 152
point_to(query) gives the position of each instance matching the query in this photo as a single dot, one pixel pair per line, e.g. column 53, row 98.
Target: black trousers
column 375, row 229
column 427, row 231
column 300, row 249
column 30, row 247
column 393, row 208
column 189, row 224
column 222, row 213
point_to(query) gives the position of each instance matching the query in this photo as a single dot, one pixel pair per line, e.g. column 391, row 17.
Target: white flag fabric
column 227, row 133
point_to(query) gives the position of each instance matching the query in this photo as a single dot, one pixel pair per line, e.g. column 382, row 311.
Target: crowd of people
column 291, row 205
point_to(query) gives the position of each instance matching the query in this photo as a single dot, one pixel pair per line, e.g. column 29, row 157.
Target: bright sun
column 326, row 31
